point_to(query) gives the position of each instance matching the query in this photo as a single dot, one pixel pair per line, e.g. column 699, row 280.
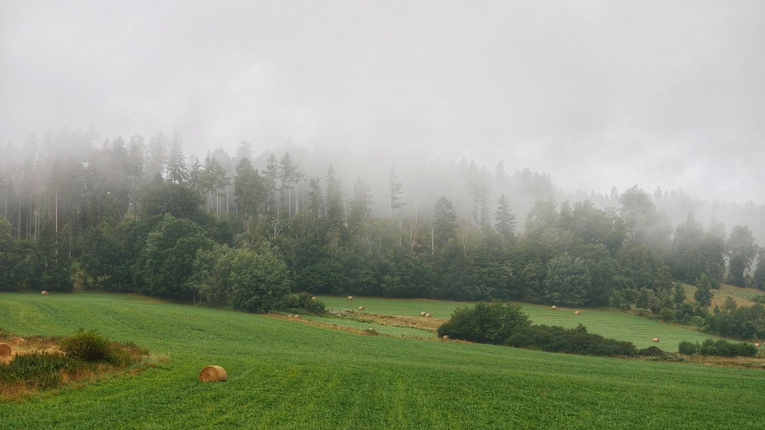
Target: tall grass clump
column 38, row 370
column 90, row 346
column 84, row 354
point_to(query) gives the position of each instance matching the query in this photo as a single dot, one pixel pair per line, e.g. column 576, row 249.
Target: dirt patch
column 25, row 345
column 430, row 324
column 422, row 323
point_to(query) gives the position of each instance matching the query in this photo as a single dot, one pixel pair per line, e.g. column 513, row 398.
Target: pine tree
column 395, row 192
column 505, row 218
column 177, row 172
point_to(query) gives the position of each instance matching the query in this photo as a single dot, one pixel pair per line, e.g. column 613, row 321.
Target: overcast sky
column 597, row 94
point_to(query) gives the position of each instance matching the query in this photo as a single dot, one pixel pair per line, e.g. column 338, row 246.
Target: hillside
column 284, row 374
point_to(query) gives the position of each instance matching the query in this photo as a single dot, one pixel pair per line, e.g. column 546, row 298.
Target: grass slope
column 607, row 323
column 284, row 374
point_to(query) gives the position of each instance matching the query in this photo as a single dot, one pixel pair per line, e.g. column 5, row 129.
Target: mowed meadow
column 286, row 374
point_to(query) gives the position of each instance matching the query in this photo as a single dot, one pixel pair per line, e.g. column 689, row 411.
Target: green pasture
column 288, row 375
column 607, row 323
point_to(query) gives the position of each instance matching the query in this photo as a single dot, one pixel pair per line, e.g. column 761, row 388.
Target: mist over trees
column 242, row 231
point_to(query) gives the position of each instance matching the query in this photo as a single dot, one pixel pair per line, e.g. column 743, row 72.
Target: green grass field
column 290, row 375
column 607, row 323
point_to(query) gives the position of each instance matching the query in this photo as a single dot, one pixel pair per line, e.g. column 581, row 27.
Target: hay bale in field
column 445, row 337
column 576, row 312
column 362, row 308
column 5, row 350
column 371, row 331
column 44, row 293
column 297, row 317
column 213, row 374
column 756, row 345
column 350, row 297
column 428, row 315
column 313, row 297
column 656, row 339
column 555, row 308
column 17, row 341
column 422, row 314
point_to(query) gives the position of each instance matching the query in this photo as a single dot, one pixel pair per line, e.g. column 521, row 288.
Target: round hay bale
column 656, row 339
column 362, row 308
column 756, row 345
column 428, row 315
column 313, row 297
column 445, row 337
column 422, row 314
column 44, row 293
column 350, row 297
column 213, row 374
column 555, row 308
column 5, row 350
column 17, row 341
column 297, row 317
column 576, row 312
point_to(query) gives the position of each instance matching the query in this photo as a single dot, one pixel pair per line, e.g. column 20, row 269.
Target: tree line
column 243, row 232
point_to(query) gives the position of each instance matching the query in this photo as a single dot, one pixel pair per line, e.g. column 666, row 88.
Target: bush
column 723, row 348
column 667, row 315
column 302, row 303
column 571, row 341
column 505, row 324
column 688, row 348
column 719, row 347
column 486, row 322
column 86, row 345
column 642, row 312
column 651, row 351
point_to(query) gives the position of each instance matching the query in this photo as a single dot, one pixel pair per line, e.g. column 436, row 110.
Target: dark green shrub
column 304, row 303
column 492, row 322
column 718, row 347
column 505, row 324
column 651, row 351
column 688, row 348
column 571, row 341
column 87, row 345
column 723, row 348
column 666, row 314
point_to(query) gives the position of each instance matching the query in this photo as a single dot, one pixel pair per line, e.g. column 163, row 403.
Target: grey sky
column 598, row 94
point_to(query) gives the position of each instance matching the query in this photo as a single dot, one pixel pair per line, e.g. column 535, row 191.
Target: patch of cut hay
column 213, row 374
column 17, row 341
column 5, row 350
column 371, row 331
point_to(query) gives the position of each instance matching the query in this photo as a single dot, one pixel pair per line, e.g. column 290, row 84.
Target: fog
column 596, row 94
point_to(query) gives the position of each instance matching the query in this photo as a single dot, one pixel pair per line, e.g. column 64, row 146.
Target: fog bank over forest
column 473, row 188
column 594, row 93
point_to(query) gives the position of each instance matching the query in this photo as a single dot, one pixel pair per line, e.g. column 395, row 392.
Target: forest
column 243, row 231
